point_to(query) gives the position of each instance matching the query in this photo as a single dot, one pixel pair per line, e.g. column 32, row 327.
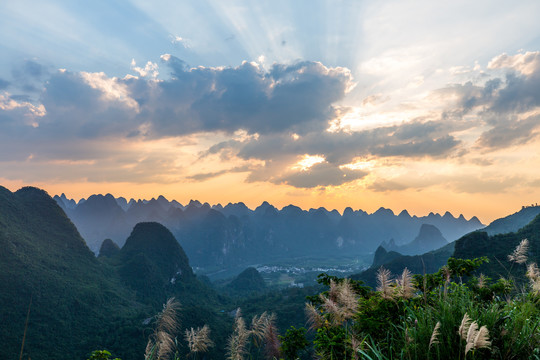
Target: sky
column 417, row 105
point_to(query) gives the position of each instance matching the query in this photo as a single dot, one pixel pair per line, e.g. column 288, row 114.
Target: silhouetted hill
column 514, row 222
column 44, row 258
column 81, row 303
column 249, row 280
column 98, row 218
column 151, row 260
column 220, row 237
column 472, row 245
column 429, row 238
column 418, row 264
column 498, row 247
column 382, row 256
column 108, row 248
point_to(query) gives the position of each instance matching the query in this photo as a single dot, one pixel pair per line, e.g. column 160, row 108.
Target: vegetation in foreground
column 432, row 316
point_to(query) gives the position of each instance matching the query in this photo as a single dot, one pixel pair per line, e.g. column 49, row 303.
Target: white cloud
column 526, row 63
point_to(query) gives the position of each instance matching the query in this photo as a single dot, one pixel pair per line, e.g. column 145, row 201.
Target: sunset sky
column 418, row 105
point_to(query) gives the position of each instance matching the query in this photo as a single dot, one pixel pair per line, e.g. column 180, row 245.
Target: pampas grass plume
column 519, row 256
column 383, row 283
column 435, row 334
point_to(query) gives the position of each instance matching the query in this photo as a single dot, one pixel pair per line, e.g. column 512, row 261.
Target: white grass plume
column 161, row 342
column 482, row 281
column 198, row 339
column 434, row 336
column 477, row 338
column 332, row 308
column 236, row 347
column 464, row 327
column 271, row 339
column 258, row 327
column 347, row 298
column 534, row 276
column 519, row 256
column 384, row 282
column 405, row 287
column 314, row 317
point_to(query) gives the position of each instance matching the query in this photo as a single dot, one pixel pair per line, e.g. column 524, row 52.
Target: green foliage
column 248, row 281
column 465, row 267
column 101, row 355
column 498, row 247
column 293, row 342
column 332, row 343
column 427, row 326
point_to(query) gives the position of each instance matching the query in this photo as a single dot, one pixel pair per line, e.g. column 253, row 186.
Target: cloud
column 382, row 185
column 261, row 120
column 527, row 63
column 180, row 40
column 511, row 132
column 508, row 106
column 323, row 174
column 297, row 97
column 425, row 147
column 414, row 139
column 89, row 113
column 476, row 184
column 210, row 175
column 29, row 69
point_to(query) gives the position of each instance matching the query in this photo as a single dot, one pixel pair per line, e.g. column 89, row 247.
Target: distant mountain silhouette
column 151, row 260
column 235, row 235
column 109, row 248
column 429, row 238
column 418, row 264
column 248, row 280
column 383, row 257
column 496, row 247
column 514, row 222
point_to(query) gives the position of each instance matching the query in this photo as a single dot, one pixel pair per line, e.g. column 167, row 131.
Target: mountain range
column 79, row 302
column 496, row 241
column 221, row 236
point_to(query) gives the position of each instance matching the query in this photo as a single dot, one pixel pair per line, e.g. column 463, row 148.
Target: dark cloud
column 500, row 104
column 21, row 98
column 28, row 76
column 425, row 147
column 510, row 132
column 86, row 105
column 520, row 93
column 29, row 69
column 296, row 97
column 322, row 174
column 210, row 175
column 414, row 139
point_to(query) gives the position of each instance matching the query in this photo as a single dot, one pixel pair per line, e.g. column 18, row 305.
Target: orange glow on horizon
column 420, row 203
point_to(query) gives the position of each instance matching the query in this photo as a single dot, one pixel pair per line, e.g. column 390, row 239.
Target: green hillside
column 498, row 247
column 43, row 258
column 80, row 303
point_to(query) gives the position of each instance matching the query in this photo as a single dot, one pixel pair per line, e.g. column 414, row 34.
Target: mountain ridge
column 240, row 235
